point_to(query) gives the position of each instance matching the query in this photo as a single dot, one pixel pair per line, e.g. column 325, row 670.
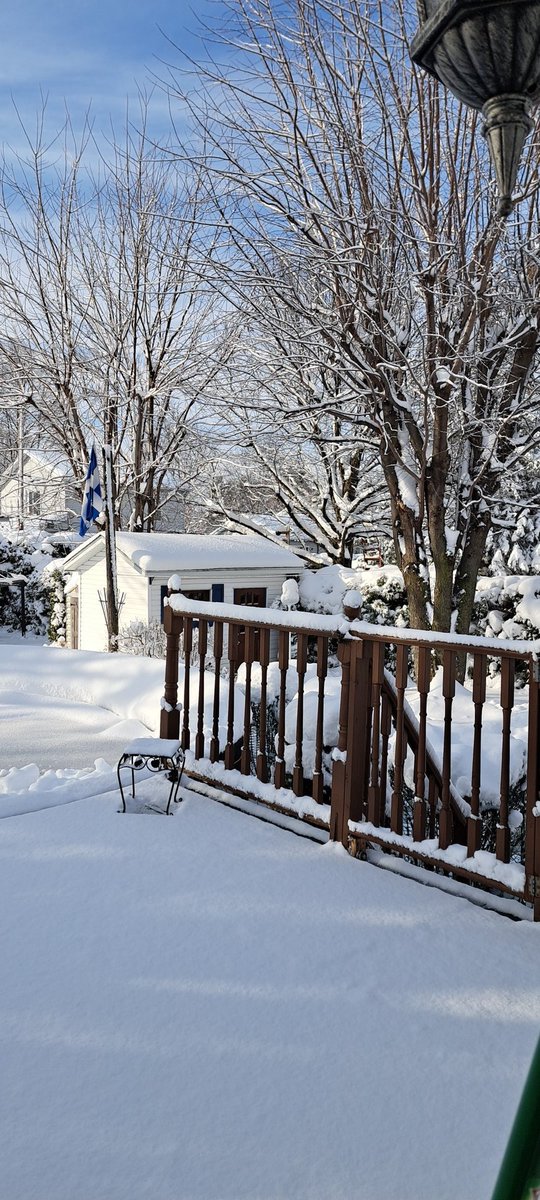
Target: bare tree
column 104, row 313
column 355, row 210
column 301, row 459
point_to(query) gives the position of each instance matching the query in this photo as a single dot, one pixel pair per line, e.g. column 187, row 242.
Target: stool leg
column 123, row 809
column 174, row 786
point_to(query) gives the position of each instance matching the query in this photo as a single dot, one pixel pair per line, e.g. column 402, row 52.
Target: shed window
column 190, row 593
column 197, row 593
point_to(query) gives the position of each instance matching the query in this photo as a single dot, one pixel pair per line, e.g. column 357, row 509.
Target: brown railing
column 367, row 731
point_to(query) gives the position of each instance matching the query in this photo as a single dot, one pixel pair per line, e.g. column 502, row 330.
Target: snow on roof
column 53, row 460
column 203, row 552
column 281, row 524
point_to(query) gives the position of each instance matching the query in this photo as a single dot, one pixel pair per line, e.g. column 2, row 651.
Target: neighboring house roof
column 279, row 524
column 177, row 552
column 40, row 466
column 50, row 461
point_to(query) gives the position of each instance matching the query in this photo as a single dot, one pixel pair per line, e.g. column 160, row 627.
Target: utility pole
column 20, row 466
column 110, row 551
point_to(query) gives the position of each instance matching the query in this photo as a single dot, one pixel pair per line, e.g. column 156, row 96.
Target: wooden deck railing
column 400, row 768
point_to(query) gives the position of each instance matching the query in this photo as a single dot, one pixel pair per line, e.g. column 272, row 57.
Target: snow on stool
column 158, row 755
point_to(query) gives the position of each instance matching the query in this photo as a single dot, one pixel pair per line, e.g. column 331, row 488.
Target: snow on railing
column 368, row 730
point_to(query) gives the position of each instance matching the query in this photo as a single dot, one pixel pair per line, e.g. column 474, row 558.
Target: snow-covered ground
column 65, row 708
column 205, row 1007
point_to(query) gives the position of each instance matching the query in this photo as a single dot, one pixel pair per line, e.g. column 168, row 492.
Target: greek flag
column 92, row 504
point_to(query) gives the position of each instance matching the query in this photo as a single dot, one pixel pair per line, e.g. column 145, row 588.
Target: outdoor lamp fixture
column 487, row 52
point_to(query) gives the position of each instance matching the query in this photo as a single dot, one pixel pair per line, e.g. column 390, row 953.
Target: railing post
column 349, row 767
column 449, row 691
column 507, row 702
column 203, row 646
column 301, row 667
column 169, row 722
column 338, row 827
column 532, row 821
column 188, row 647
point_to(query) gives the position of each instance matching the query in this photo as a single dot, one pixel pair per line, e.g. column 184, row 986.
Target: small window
column 197, row 593
column 190, row 594
column 218, row 593
column 34, row 503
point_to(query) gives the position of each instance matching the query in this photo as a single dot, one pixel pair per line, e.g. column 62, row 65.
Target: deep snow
column 205, row 1007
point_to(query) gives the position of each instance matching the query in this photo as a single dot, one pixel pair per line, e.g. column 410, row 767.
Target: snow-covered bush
column 513, row 545
column 384, row 600
column 146, row 639
column 18, row 558
column 508, row 606
column 54, row 581
column 379, row 594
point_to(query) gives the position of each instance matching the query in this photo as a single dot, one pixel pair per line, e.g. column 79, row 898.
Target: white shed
column 233, row 569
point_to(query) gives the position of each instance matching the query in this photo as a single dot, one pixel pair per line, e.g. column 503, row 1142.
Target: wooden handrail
column 432, row 770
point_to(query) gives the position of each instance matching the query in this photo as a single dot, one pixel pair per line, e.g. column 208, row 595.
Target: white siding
column 9, row 498
column 134, row 586
column 93, row 630
column 73, row 590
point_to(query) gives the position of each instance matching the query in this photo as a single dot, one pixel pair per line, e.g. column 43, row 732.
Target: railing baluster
column 532, row 821
column 245, row 757
column 386, row 728
column 474, row 822
column 433, row 798
column 301, row 664
column 188, row 645
column 374, row 789
column 283, row 663
column 218, row 651
column 449, row 690
column 400, row 751
column 233, row 635
column 264, row 659
column 422, row 683
column 508, row 668
column 203, row 646
column 339, row 817
column 322, row 669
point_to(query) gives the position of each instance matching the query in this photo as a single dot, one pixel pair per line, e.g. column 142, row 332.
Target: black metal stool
column 158, row 755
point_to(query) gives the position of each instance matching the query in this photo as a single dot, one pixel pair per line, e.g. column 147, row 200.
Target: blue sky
column 81, row 52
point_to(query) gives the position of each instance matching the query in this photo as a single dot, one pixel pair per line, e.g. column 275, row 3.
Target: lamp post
column 487, row 53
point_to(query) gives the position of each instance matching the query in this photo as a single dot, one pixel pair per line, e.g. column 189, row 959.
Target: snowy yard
column 210, row 1008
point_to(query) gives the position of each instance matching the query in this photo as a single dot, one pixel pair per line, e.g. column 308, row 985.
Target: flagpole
column 110, row 551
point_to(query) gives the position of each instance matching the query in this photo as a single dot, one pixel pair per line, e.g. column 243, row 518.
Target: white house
column 232, row 569
column 45, row 489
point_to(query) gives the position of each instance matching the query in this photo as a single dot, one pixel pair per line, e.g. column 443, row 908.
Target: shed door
column 253, row 598
column 74, row 621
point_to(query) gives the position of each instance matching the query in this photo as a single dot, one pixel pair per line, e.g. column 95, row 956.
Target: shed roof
column 177, row 552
